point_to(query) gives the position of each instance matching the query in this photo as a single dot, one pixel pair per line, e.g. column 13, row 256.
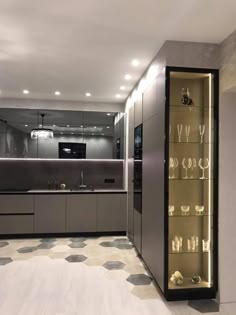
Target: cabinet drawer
column 16, row 224
column 16, row 204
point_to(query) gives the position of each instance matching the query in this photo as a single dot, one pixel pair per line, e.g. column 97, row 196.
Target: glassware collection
column 188, row 164
column 190, row 245
column 184, row 137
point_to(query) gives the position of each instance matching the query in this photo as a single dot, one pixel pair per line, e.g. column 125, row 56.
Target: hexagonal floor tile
column 124, row 246
column 78, row 239
column 76, row 258
column 27, row 249
column 139, row 279
column 77, row 245
column 5, row 260
column 2, row 244
column 107, row 244
column 114, row 265
column 121, row 241
column 204, row 306
column 46, row 245
column 48, row 240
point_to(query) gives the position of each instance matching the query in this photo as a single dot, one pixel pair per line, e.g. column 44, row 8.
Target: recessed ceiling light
column 92, row 134
column 72, row 133
column 40, row 126
column 61, row 133
column 118, row 96
column 81, row 126
column 88, row 94
column 57, row 93
column 128, row 77
column 122, row 87
column 67, row 126
column 95, row 126
column 108, row 114
column 54, row 125
column 25, row 91
column 135, row 62
column 26, row 125
column 108, row 127
column 102, row 134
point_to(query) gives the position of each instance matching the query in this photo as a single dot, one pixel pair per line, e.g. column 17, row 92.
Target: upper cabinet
column 61, row 134
column 191, row 186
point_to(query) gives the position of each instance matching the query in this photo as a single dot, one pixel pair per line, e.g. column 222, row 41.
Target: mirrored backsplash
column 19, row 174
column 75, row 134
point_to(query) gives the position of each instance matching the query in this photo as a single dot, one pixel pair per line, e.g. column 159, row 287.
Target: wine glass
column 203, row 164
column 179, row 129
column 194, row 165
column 171, row 210
column 171, row 165
column 187, row 131
column 202, row 131
column 186, row 163
column 175, row 165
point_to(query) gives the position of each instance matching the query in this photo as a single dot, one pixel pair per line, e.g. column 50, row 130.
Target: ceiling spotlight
column 26, row 125
column 67, row 126
column 135, row 62
column 57, row 93
column 122, row 88
column 25, row 91
column 118, row 96
column 72, row 133
column 54, row 125
column 108, row 127
column 61, row 133
column 128, row 77
column 88, row 94
column 108, row 114
column 81, row 126
column 95, row 127
column 102, row 134
column 92, row 134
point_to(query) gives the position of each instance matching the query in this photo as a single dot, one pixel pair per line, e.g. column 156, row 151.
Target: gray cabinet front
column 10, row 204
column 81, row 213
column 111, row 212
column 50, row 214
column 16, row 224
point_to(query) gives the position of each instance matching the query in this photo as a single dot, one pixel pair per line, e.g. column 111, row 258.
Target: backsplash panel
column 35, row 174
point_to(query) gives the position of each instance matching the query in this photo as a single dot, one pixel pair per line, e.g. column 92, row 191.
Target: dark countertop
column 63, row 191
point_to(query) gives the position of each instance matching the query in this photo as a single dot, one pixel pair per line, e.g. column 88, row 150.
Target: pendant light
column 42, row 133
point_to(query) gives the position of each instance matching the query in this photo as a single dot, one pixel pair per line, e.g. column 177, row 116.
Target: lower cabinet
column 16, row 224
column 111, row 212
column 81, row 213
column 50, row 214
column 138, row 230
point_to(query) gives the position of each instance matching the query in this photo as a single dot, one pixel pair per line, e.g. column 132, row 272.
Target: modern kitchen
column 114, row 168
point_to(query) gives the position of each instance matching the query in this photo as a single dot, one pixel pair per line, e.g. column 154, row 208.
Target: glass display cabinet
column 191, row 183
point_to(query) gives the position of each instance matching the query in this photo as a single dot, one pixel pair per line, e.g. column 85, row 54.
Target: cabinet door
column 50, row 212
column 111, row 212
column 81, row 213
column 16, row 204
column 138, row 230
column 16, row 224
column 131, row 175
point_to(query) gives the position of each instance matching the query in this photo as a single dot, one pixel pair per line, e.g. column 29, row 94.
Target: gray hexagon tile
column 75, row 258
column 45, row 245
column 139, row 279
column 77, row 245
column 48, row 240
column 27, row 249
column 121, row 241
column 114, row 265
column 5, row 260
column 204, row 306
column 78, row 239
column 124, row 246
column 3, row 244
column 107, row 244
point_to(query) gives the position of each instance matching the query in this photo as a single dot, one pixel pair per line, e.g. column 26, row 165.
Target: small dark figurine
column 186, row 99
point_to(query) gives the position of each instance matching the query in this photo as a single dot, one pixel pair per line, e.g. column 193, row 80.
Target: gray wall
column 119, row 132
column 35, row 174
column 97, row 147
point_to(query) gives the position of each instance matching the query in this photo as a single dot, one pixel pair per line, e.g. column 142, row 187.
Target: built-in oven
column 138, row 156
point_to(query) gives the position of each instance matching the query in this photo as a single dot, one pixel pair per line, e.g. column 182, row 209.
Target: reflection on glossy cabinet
column 111, row 212
column 81, row 213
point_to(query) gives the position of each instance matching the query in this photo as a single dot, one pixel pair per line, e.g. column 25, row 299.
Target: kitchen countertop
column 63, row 191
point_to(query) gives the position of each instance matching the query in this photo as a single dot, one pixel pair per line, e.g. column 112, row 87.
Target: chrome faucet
column 82, row 186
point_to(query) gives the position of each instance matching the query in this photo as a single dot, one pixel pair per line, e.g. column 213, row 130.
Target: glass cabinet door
column 191, row 180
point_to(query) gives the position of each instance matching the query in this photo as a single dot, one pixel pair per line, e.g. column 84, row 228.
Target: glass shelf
column 190, row 215
column 191, row 179
column 186, row 252
column 199, row 143
column 189, row 285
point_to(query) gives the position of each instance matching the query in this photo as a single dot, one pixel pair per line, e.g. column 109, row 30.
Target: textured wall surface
column 35, row 174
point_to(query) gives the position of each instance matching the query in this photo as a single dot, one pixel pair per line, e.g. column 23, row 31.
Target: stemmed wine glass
column 187, row 131
column 179, row 129
column 194, row 165
column 176, row 164
column 203, row 164
column 186, row 163
column 202, row 131
column 171, row 165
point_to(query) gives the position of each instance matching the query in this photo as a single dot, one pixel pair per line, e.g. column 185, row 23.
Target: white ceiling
column 78, row 46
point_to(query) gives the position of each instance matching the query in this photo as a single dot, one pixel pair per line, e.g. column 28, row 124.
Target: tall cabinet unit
column 191, row 183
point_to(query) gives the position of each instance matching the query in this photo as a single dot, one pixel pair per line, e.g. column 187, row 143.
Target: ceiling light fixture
column 88, row 94
column 108, row 114
column 135, row 63
column 128, row 77
column 81, row 126
column 26, row 125
column 108, row 127
column 54, row 125
column 122, row 88
column 25, row 91
column 57, row 93
column 118, row 96
column 41, row 132
column 95, row 127
column 67, row 126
